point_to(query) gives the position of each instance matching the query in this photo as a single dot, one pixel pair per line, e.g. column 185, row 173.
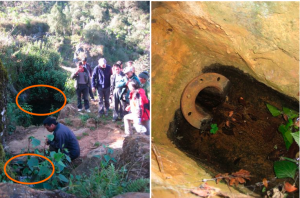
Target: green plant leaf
column 44, row 170
column 296, row 137
column 25, row 171
column 35, row 142
column 63, row 178
column 273, row 110
column 58, row 156
column 284, row 169
column 50, row 137
column 33, row 161
column 288, row 138
column 107, row 158
column 46, row 185
column 290, row 113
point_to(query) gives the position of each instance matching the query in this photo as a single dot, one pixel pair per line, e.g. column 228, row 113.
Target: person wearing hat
column 88, row 67
column 130, row 76
column 64, row 139
column 101, row 81
column 143, row 77
column 82, row 86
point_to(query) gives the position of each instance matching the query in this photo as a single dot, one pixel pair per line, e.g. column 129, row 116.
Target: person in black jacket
column 101, row 81
column 64, row 138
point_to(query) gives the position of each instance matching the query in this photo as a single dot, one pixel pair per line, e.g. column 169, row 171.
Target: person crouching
column 139, row 115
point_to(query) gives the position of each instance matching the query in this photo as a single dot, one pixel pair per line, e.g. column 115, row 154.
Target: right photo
column 225, row 99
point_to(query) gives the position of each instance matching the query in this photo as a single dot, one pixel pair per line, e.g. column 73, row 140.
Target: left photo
column 75, row 99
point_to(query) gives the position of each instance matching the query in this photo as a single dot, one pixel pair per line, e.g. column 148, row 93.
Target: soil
column 106, row 133
column 248, row 139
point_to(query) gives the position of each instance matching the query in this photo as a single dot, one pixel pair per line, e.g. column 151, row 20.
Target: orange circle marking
column 28, row 183
column 41, row 114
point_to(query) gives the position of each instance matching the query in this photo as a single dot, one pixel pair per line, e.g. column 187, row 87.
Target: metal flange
column 193, row 113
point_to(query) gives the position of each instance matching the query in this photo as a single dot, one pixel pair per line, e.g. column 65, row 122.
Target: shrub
column 16, row 117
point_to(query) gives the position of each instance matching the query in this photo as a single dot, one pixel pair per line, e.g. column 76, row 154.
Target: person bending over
column 63, row 138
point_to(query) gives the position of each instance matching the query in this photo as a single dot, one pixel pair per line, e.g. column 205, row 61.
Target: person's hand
column 93, row 89
column 46, row 141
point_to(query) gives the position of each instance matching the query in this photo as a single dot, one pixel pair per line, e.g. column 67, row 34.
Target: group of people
column 130, row 96
column 129, row 93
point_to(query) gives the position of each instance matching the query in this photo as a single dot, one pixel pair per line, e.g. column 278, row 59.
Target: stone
column 79, row 132
column 67, row 111
column 17, row 190
column 87, row 166
column 76, row 122
column 136, row 156
column 133, row 195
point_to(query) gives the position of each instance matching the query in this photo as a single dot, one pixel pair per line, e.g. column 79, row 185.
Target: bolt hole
column 201, row 79
column 218, row 79
column 190, row 113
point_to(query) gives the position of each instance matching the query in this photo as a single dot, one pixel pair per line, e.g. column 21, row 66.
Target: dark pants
column 119, row 104
column 103, row 95
column 91, row 92
column 82, row 89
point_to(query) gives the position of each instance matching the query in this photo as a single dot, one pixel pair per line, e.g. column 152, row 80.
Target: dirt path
column 90, row 136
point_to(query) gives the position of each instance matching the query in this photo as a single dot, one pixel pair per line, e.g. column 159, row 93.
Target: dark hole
column 190, row 113
column 209, row 98
column 218, row 79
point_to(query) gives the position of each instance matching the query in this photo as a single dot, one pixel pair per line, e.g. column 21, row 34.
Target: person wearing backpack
column 139, row 115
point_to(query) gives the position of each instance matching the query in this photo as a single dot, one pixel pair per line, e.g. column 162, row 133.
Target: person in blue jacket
column 64, row 138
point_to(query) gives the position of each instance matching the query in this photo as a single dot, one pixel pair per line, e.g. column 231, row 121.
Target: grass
column 78, row 137
column 85, row 134
column 97, row 144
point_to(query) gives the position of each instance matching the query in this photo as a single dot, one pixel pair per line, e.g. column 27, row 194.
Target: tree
column 57, row 20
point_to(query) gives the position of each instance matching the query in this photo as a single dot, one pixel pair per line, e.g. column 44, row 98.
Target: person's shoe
column 114, row 119
column 79, row 110
column 87, row 110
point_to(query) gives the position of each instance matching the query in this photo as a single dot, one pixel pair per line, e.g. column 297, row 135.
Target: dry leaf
column 265, row 182
column 289, row 187
column 233, row 119
column 285, row 117
column 230, row 113
column 227, row 123
column 232, row 181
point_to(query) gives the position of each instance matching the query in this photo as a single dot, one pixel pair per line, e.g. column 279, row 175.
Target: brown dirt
column 245, row 142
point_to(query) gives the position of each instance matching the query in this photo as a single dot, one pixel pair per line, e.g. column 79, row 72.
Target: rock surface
column 136, row 156
column 259, row 38
column 8, row 190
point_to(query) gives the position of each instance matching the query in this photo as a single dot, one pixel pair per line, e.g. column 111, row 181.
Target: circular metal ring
column 192, row 112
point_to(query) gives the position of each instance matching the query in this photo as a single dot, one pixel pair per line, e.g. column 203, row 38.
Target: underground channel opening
column 247, row 135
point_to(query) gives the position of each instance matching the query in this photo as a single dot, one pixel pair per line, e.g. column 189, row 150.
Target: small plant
column 85, row 134
column 78, row 137
column 287, row 129
column 92, row 128
column 214, row 128
column 97, row 144
column 84, row 118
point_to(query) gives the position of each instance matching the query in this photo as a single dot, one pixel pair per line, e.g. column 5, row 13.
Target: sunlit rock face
column 259, row 38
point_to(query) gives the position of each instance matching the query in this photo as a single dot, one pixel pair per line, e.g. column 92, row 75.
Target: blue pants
column 103, row 95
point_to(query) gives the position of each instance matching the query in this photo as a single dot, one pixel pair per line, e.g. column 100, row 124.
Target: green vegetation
column 214, row 128
column 106, row 181
column 289, row 128
column 16, row 117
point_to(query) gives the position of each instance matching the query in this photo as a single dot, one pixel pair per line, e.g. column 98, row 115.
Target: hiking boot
column 87, row 110
column 79, row 110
